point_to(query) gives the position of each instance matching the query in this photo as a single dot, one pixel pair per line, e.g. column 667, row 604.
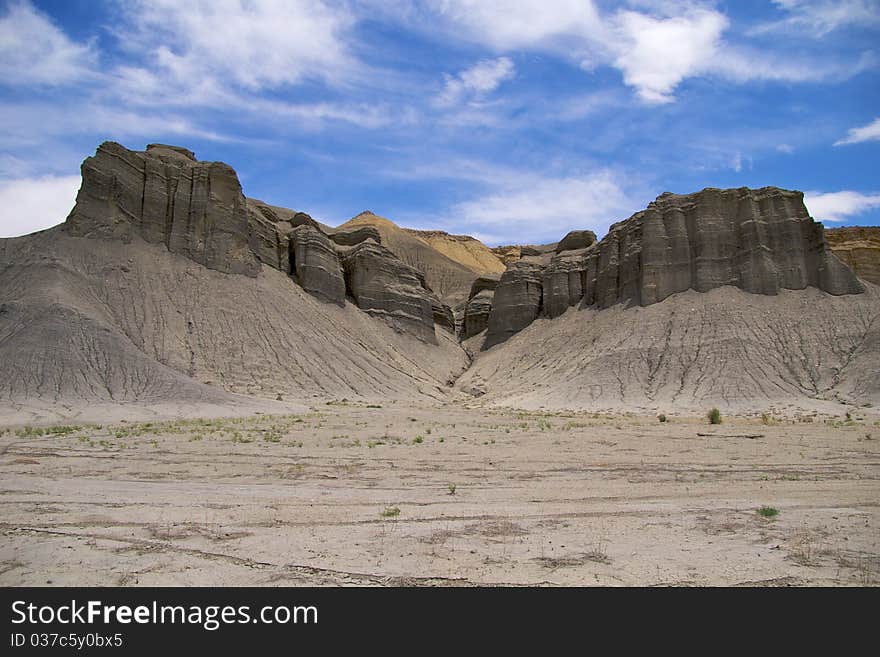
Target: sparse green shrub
column 714, row 416
column 768, row 512
column 662, row 417
column 418, row 440
column 451, row 489
column 390, row 512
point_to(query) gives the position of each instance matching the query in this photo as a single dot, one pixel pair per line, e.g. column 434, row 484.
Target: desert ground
column 348, row 493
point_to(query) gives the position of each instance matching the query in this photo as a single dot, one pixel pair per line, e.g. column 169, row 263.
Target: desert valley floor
column 347, row 493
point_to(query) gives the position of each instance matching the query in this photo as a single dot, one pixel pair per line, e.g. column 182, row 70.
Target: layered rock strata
column 859, row 248
column 384, row 286
column 758, row 240
column 164, row 195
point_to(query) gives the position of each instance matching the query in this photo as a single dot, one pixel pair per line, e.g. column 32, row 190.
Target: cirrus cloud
column 870, row 132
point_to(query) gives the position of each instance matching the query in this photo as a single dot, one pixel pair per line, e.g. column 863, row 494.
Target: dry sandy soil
column 350, row 494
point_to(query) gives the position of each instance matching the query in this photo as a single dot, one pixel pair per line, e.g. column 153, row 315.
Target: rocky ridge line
column 164, row 195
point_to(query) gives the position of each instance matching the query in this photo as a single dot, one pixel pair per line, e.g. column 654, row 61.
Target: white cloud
column 819, row 17
column 838, row 206
column 33, row 51
column 513, row 24
column 868, row 132
column 788, row 149
column 482, row 78
column 254, row 44
column 31, row 204
column 655, row 45
column 656, row 54
column 535, row 208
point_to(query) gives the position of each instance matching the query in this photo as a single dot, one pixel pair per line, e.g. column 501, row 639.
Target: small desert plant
column 418, row 440
column 768, row 512
column 662, row 418
column 714, row 416
column 451, row 489
column 390, row 512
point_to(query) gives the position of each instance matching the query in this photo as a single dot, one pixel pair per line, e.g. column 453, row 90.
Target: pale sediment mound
column 693, row 350
column 463, row 249
column 167, row 289
column 167, row 284
column 86, row 322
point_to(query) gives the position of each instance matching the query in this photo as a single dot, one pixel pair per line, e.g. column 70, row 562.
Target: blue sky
column 514, row 121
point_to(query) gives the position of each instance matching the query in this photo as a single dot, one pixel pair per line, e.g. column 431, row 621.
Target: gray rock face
column 355, row 235
column 476, row 313
column 564, row 282
column 163, row 194
column 442, row 314
column 576, row 239
column 758, row 240
column 314, row 262
column 268, row 238
column 384, row 286
column 536, row 250
column 197, row 209
column 517, row 301
column 484, row 282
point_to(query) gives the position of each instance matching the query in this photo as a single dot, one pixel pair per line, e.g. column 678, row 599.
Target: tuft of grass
column 390, row 512
column 662, row 418
column 452, row 488
column 768, row 512
column 418, row 440
column 714, row 416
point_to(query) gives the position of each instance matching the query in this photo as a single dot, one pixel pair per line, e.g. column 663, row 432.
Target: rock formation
column 384, row 286
column 317, row 268
column 576, row 239
column 355, row 235
column 476, row 314
column 507, row 254
column 432, row 253
column 758, row 240
column 443, row 315
column 164, row 195
column 858, row 247
column 517, row 301
column 479, row 305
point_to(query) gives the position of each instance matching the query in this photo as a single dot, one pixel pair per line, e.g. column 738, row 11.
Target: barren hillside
column 691, row 351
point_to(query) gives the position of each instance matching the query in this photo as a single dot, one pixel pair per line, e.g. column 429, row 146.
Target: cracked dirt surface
column 348, row 494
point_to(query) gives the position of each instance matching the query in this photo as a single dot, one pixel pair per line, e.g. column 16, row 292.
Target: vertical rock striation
column 759, row 240
column 517, row 301
column 164, row 195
